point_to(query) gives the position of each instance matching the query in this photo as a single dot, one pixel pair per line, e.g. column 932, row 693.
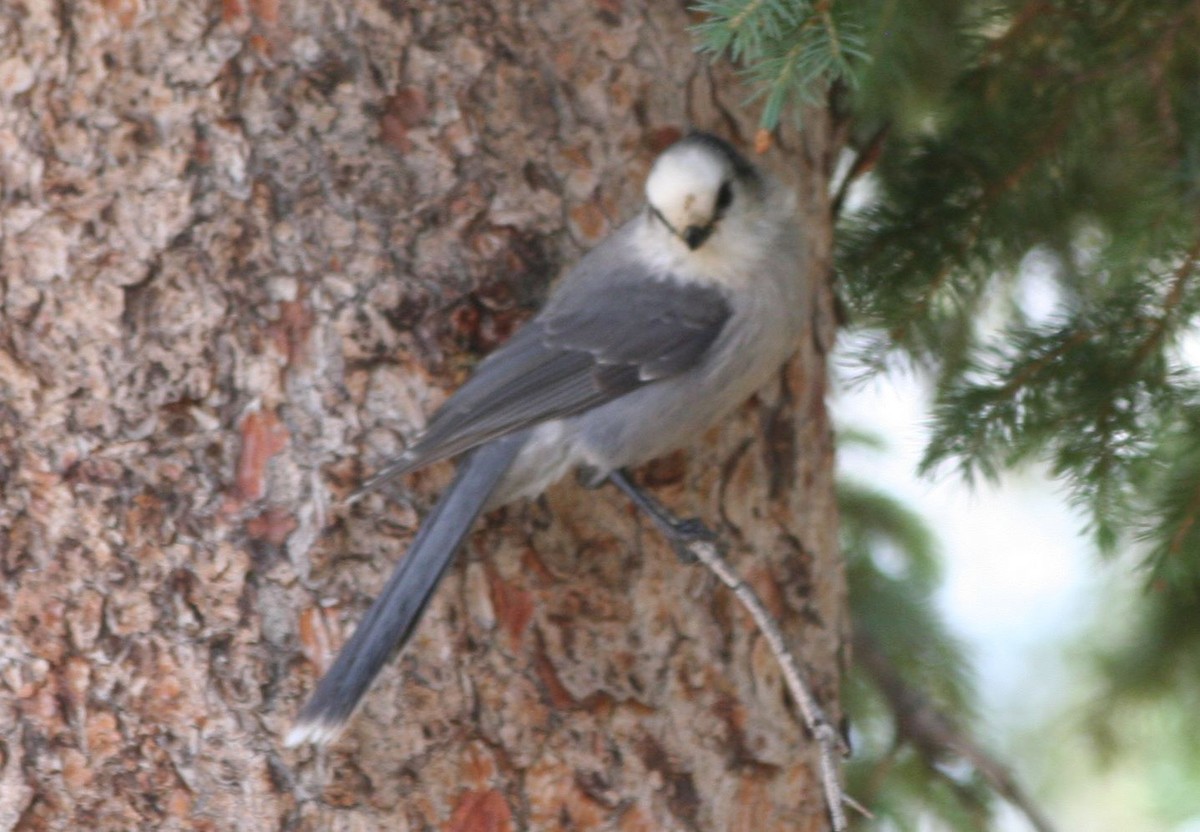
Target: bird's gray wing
column 592, row 344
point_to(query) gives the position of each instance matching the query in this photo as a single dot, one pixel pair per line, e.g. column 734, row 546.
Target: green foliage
column 892, row 572
column 1059, row 132
column 790, row 50
column 1125, row 730
column 1065, row 134
column 1164, row 634
column 1028, row 234
column 1056, row 137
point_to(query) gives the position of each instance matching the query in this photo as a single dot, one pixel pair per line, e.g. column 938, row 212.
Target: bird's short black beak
column 695, row 235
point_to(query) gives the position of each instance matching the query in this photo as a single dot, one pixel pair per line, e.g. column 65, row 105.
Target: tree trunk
column 246, row 248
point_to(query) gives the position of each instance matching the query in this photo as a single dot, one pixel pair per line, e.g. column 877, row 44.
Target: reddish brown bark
column 245, row 247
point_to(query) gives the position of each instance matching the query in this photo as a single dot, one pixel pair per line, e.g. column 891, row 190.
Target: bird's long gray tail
column 392, row 619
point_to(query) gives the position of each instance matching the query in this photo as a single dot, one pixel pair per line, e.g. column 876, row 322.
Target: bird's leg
column 682, row 532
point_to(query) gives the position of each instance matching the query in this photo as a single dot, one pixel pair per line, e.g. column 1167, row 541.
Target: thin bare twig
column 827, row 737
column 863, row 162
column 694, row 541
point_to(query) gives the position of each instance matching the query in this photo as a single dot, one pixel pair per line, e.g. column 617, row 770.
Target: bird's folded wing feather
column 588, row 347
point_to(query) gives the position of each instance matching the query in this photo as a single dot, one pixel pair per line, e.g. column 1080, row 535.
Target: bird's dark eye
column 724, row 197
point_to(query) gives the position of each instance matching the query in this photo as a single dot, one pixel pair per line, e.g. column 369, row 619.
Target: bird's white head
column 695, row 183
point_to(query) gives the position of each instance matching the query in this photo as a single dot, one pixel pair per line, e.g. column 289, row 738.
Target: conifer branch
column 1049, row 142
column 788, row 48
column 1170, row 304
column 1167, row 116
column 992, row 194
column 934, row 734
column 738, row 20
column 864, row 160
column 1030, row 12
column 1037, row 366
column 1190, row 514
column 824, row 8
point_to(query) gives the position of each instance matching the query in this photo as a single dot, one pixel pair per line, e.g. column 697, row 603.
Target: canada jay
column 662, row 329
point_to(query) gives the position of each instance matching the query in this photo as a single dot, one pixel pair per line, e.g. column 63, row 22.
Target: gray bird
column 661, row 330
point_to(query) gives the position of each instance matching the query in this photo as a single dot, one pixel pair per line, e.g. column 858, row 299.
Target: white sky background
column 1021, row 583
column 1017, row 566
column 1021, row 578
column 1019, row 574
column 1019, row 570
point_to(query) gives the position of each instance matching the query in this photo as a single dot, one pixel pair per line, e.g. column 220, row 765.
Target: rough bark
column 245, row 247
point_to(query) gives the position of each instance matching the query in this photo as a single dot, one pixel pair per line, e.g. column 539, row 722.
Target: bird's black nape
column 740, row 164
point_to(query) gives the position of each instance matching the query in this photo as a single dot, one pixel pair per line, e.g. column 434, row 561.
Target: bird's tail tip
column 316, row 730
